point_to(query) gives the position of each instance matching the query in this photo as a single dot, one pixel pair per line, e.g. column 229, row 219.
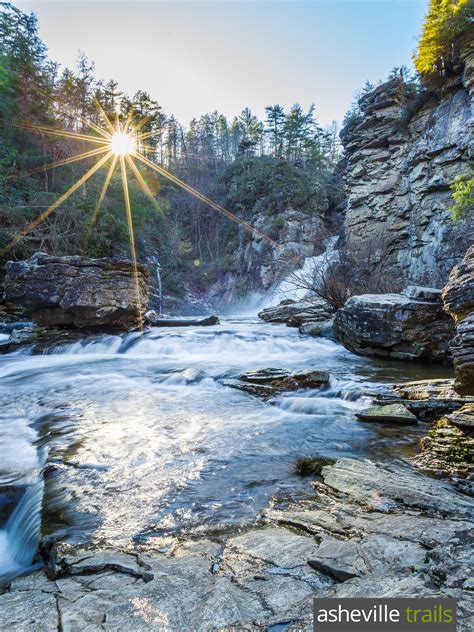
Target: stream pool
column 142, row 438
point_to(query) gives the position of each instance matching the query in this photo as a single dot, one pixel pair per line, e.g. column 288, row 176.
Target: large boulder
column 77, row 291
column 267, row 383
column 407, row 326
column 458, row 298
column 295, row 313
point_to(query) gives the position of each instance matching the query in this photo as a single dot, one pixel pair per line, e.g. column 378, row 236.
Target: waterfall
column 289, row 288
column 20, row 538
column 155, row 262
column 160, row 291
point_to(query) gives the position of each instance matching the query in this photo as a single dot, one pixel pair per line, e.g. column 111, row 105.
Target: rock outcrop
column 407, row 326
column 448, row 449
column 458, row 298
column 297, row 313
column 371, row 529
column 77, row 291
column 267, row 383
column 256, row 265
column 401, row 154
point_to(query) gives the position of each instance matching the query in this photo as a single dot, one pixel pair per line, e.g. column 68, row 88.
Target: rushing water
column 148, row 440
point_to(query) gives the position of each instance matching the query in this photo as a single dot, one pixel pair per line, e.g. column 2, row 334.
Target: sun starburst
column 121, row 144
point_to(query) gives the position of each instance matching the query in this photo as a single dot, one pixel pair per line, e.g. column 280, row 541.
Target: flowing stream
column 143, row 439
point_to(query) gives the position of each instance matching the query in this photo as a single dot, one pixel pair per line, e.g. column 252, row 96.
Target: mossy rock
column 391, row 413
column 307, row 465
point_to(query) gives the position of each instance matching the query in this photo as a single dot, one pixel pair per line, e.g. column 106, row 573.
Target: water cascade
column 20, row 538
column 297, row 284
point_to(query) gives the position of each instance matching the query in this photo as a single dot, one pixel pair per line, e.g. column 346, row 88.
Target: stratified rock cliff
column 458, row 297
column 401, row 155
column 407, row 326
column 77, row 291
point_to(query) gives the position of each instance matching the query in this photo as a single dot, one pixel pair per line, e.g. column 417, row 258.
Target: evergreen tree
column 275, row 126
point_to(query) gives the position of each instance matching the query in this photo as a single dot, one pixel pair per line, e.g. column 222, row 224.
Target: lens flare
column 123, row 144
column 124, row 147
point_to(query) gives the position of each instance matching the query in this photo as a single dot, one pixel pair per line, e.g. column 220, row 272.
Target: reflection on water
column 147, row 439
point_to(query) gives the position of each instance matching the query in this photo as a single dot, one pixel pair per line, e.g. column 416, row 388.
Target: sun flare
column 123, row 144
column 120, row 145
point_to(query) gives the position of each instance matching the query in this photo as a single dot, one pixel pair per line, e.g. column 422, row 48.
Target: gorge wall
column 401, row 154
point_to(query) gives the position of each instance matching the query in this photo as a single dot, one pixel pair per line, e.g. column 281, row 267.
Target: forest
column 287, row 160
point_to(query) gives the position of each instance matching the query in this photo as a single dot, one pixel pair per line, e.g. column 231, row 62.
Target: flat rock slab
column 267, row 383
column 369, row 530
column 391, row 413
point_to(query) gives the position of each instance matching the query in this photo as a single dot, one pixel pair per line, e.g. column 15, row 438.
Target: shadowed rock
column 458, row 298
column 407, row 326
column 77, row 291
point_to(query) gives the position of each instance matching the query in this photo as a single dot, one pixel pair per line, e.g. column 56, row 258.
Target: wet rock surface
column 368, row 529
column 390, row 413
column 267, row 383
column 458, row 298
column 76, row 291
column 39, row 339
column 295, row 314
column 448, row 448
column 407, row 326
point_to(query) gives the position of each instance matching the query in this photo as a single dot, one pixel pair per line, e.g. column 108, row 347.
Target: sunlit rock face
column 407, row 326
column 257, row 265
column 77, row 291
column 458, row 297
column 401, row 157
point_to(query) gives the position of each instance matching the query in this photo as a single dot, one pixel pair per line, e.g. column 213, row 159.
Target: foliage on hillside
column 463, row 194
column 444, row 22
column 287, row 159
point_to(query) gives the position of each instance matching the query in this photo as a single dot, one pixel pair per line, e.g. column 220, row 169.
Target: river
column 146, row 440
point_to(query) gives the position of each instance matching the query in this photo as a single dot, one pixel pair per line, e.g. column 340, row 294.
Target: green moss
column 305, row 465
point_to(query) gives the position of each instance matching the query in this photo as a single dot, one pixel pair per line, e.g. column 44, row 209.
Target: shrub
column 463, row 194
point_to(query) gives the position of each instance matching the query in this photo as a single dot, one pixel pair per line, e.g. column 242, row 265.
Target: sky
column 197, row 56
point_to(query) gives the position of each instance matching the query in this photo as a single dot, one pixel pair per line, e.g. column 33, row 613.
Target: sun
column 123, row 144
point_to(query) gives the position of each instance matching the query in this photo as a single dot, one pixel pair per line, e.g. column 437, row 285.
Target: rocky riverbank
column 367, row 529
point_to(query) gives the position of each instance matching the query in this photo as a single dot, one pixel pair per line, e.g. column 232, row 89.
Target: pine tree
column 275, row 128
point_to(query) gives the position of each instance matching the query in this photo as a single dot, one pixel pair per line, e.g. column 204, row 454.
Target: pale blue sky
column 199, row 56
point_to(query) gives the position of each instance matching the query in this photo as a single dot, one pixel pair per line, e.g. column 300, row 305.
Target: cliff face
column 257, row 265
column 401, row 156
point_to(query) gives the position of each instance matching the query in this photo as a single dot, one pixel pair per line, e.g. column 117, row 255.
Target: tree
column 252, row 132
column 444, row 22
column 298, row 129
column 275, row 128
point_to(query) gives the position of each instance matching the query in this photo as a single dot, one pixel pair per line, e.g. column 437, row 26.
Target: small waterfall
column 20, row 538
column 160, row 290
column 291, row 288
column 155, row 262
